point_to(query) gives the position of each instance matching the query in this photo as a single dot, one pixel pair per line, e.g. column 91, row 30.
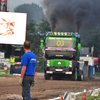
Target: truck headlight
column 70, row 63
column 48, row 63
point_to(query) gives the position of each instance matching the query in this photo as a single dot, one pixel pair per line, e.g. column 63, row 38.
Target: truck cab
column 62, row 54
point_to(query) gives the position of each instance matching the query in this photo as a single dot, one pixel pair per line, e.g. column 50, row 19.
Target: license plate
column 59, row 70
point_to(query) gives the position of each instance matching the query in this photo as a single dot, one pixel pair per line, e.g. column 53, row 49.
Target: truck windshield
column 61, row 44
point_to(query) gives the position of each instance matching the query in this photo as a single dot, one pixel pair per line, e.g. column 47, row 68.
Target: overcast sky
column 14, row 3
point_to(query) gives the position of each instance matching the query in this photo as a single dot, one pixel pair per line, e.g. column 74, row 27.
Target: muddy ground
column 43, row 89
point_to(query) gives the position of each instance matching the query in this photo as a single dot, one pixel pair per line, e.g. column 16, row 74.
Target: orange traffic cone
column 84, row 95
column 35, row 74
column 61, row 98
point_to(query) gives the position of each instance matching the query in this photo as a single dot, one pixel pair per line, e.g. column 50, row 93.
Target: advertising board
column 12, row 28
column 5, row 64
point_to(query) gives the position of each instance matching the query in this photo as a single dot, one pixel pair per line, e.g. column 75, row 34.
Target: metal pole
column 8, row 5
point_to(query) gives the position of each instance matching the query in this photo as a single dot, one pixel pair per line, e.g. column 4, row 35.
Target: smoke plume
column 75, row 14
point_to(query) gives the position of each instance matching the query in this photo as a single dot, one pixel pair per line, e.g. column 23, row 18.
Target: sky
column 14, row 3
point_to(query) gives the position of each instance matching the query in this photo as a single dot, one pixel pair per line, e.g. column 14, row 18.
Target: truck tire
column 47, row 76
column 81, row 77
column 45, row 65
column 74, row 75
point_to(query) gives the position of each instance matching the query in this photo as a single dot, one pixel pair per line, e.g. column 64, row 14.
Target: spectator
column 28, row 64
column 12, row 63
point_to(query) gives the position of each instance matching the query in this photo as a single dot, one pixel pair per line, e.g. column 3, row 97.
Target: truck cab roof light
column 52, row 33
column 63, row 34
column 69, row 33
column 48, row 34
column 74, row 35
column 55, row 33
column 58, row 33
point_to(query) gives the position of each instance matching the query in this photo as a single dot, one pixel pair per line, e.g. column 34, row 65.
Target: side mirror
column 42, row 44
column 79, row 46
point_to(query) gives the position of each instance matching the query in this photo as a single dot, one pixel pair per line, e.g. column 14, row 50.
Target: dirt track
column 44, row 89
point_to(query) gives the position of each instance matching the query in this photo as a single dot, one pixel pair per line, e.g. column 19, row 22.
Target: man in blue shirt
column 28, row 64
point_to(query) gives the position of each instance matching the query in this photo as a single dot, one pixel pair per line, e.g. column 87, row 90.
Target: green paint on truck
column 60, row 38
column 59, row 63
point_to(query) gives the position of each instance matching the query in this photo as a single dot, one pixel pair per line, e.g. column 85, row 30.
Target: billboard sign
column 12, row 28
column 5, row 64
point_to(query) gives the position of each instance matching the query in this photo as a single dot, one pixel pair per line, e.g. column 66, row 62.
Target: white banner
column 12, row 28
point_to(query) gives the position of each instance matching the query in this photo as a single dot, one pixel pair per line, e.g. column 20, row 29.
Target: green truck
column 62, row 52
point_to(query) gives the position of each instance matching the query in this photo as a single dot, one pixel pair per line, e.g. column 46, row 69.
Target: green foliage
column 33, row 11
column 40, row 64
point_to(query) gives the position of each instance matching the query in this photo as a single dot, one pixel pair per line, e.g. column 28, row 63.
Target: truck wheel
column 80, row 78
column 47, row 76
column 74, row 76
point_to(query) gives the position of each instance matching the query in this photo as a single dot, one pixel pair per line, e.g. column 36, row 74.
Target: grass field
column 93, row 98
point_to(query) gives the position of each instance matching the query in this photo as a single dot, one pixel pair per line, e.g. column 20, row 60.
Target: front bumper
column 60, row 70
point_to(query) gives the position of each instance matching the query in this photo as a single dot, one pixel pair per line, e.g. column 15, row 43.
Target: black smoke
column 77, row 14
